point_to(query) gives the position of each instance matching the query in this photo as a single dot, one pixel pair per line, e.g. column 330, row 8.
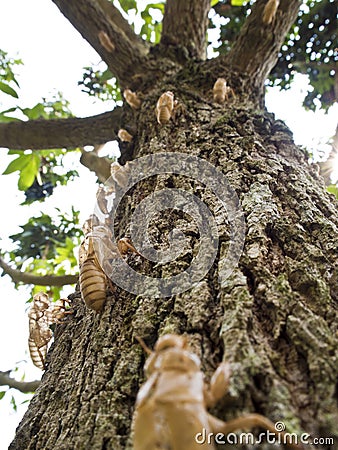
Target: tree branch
column 103, row 26
column 22, row 386
column 39, row 280
column 61, row 133
column 255, row 51
column 185, row 25
column 97, row 164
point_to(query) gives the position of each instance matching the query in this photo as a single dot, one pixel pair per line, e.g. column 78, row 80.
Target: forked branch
column 255, row 51
column 103, row 26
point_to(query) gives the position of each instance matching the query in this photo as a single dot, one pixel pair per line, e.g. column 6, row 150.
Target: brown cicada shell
column 124, row 136
column 171, row 406
column 132, row 99
column 125, row 245
column 39, row 332
column 59, row 311
column 105, row 41
column 101, row 200
column 42, row 314
column 120, row 174
column 221, row 91
column 93, row 281
column 165, row 107
column 269, row 12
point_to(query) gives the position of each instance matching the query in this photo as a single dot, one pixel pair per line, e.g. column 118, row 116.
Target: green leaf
column 29, row 172
column 13, row 403
column 8, row 110
column 37, row 112
column 128, row 4
column 17, row 164
column 214, row 2
column 8, row 90
column 159, row 6
column 333, row 189
column 6, row 119
column 106, row 75
column 2, row 394
column 237, row 2
column 158, row 32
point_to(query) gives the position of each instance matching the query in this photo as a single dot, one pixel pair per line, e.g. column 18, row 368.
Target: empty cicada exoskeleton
column 90, row 223
column 221, row 91
column 124, row 136
column 96, row 247
column 125, row 245
column 96, row 251
column 132, row 99
column 120, row 174
column 39, row 332
column 41, row 315
column 105, row 41
column 171, row 406
column 101, row 199
column 59, row 310
column 269, row 11
column 93, row 281
column 164, row 107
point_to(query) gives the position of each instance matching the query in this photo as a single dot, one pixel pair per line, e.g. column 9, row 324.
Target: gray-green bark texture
column 274, row 319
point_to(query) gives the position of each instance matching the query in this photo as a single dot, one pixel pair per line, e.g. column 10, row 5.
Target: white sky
column 54, row 54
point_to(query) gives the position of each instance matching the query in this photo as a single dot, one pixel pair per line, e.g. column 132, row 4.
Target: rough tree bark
column 274, row 319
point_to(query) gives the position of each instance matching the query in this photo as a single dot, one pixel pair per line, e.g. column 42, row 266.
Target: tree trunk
column 273, row 318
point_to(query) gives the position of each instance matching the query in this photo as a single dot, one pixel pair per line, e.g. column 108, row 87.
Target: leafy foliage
column 38, row 172
column 152, row 27
column 64, row 262
column 150, row 17
column 127, row 5
column 56, row 108
column 100, row 84
column 47, row 246
column 28, row 166
column 309, row 47
column 13, row 403
column 41, row 237
column 7, row 75
column 7, row 80
column 231, row 16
